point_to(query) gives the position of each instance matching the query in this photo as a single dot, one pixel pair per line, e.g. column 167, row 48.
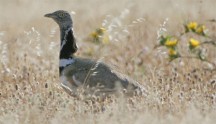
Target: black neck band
column 68, row 44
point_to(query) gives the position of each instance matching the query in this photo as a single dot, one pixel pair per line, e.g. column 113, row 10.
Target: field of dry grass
column 180, row 92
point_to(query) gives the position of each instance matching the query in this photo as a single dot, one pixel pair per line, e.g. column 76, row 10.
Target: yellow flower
column 171, row 43
column 99, row 36
column 193, row 43
column 200, row 29
column 106, row 39
column 94, row 34
column 103, row 29
column 172, row 52
column 192, row 26
column 100, row 31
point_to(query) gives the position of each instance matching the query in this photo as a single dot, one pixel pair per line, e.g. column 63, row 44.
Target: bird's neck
column 68, row 47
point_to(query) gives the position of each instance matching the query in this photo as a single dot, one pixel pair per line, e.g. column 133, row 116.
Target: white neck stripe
column 63, row 43
column 64, row 40
column 65, row 62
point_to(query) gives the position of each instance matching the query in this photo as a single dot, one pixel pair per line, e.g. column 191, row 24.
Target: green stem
column 209, row 42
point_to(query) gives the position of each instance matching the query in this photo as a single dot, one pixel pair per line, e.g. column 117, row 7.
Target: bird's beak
column 49, row 15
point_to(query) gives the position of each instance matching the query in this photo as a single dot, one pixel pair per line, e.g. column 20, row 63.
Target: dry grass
column 179, row 92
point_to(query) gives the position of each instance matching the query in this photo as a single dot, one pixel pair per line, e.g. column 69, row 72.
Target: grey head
column 62, row 18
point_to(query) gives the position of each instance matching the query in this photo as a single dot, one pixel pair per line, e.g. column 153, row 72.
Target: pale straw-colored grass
column 181, row 92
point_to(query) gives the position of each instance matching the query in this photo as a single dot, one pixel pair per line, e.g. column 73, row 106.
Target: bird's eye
column 61, row 15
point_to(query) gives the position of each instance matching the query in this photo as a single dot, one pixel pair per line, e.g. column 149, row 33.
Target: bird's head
column 61, row 17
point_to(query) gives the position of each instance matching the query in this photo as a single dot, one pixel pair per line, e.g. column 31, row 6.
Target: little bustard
column 94, row 77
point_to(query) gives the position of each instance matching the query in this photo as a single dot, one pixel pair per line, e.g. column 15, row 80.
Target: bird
column 91, row 77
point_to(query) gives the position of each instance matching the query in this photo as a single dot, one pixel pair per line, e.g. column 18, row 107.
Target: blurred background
column 178, row 92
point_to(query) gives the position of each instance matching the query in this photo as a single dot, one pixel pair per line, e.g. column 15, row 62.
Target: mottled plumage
column 94, row 77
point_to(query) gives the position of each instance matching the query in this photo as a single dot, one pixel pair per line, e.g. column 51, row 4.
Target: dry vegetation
column 182, row 91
